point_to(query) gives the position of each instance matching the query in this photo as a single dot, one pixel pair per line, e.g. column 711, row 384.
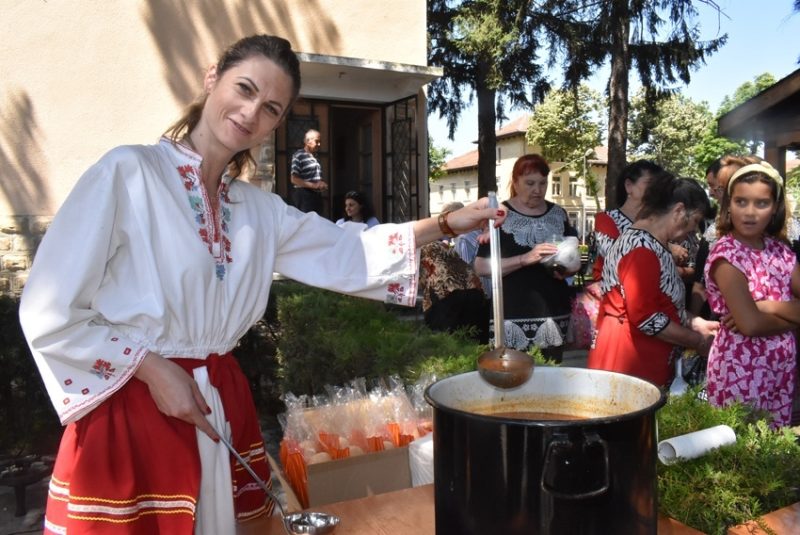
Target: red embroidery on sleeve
column 396, row 243
column 68, row 382
column 127, row 351
column 66, row 401
column 102, row 369
column 396, row 291
column 85, row 391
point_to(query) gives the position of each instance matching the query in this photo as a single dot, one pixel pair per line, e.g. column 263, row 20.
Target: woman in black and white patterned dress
column 537, row 300
column 642, row 318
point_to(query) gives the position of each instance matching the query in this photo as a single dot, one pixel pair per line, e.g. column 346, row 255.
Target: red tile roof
column 515, row 127
column 518, row 126
column 465, row 161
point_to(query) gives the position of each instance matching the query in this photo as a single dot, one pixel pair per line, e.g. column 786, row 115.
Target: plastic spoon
column 502, row 367
column 297, row 523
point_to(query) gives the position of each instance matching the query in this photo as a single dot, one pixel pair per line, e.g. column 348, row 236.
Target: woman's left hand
column 679, row 253
column 705, row 327
column 475, row 216
column 728, row 321
column 471, row 217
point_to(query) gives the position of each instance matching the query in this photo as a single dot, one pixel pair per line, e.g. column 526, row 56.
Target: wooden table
column 408, row 511
column 782, row 521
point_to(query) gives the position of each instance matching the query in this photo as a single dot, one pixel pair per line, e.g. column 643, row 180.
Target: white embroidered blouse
column 134, row 261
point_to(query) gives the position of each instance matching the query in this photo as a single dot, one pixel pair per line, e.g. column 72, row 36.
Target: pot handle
column 565, row 453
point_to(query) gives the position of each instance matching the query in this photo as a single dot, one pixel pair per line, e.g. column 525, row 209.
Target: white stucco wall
column 78, row 77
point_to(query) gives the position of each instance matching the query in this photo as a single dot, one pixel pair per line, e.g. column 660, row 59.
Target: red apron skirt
column 126, row 468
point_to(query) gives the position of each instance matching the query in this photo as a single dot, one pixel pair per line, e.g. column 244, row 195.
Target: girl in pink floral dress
column 752, row 277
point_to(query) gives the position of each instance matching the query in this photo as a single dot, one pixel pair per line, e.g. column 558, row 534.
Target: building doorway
column 350, row 154
column 355, row 142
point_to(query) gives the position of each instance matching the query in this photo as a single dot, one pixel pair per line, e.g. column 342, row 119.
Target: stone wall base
column 19, row 238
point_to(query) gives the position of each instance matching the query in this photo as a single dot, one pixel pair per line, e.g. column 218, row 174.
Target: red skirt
column 125, row 468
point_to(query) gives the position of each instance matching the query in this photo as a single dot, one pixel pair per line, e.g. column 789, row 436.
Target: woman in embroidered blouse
column 536, row 299
column 159, row 260
column 631, row 185
column 642, row 318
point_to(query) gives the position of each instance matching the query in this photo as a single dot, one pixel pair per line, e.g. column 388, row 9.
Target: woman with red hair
column 537, row 298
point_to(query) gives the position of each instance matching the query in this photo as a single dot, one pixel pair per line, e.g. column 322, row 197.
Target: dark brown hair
column 633, row 172
column 729, row 164
column 276, row 49
column 665, row 191
column 364, row 205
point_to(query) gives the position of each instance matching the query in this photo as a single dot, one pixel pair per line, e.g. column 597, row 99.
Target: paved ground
column 37, row 493
column 31, row 522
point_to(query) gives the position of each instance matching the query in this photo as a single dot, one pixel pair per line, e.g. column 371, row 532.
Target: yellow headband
column 763, row 167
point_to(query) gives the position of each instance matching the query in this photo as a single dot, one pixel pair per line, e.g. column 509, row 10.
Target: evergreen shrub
column 328, row 338
column 29, row 422
column 758, row 474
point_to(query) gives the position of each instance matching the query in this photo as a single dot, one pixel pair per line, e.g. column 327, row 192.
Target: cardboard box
column 358, row 477
column 349, row 479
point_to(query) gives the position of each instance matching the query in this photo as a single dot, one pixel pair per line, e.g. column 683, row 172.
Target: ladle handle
column 497, row 276
column 252, row 472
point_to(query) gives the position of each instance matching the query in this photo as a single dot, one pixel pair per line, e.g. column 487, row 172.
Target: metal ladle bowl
column 502, row 367
column 307, row 523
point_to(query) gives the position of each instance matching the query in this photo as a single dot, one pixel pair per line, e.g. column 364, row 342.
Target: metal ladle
column 309, row 523
column 502, row 367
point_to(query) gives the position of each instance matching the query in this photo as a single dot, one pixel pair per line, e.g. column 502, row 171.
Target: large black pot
column 596, row 475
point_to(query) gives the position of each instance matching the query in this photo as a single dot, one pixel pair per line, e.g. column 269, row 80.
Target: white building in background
column 460, row 183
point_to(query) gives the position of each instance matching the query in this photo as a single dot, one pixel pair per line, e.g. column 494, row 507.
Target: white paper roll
column 693, row 445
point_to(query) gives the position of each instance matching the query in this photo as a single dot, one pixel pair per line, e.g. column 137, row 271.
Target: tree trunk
column 618, row 105
column 487, row 140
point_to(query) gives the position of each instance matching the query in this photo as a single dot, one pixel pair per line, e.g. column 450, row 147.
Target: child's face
column 751, row 209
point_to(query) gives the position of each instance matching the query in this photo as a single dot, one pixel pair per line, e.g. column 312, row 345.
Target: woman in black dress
column 536, row 298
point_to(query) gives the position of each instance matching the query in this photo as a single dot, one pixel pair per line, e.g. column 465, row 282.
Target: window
column 453, row 189
column 557, row 186
column 573, row 186
column 441, row 192
column 589, row 222
column 499, row 155
column 467, row 185
column 574, row 218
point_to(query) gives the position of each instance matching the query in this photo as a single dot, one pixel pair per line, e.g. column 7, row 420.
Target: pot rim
column 653, row 407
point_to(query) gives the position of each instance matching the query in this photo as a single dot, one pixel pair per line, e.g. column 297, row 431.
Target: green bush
column 327, row 338
column 256, row 353
column 758, row 474
column 27, row 418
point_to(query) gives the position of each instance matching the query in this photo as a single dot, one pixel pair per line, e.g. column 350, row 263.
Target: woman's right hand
column 175, row 392
column 539, row 252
